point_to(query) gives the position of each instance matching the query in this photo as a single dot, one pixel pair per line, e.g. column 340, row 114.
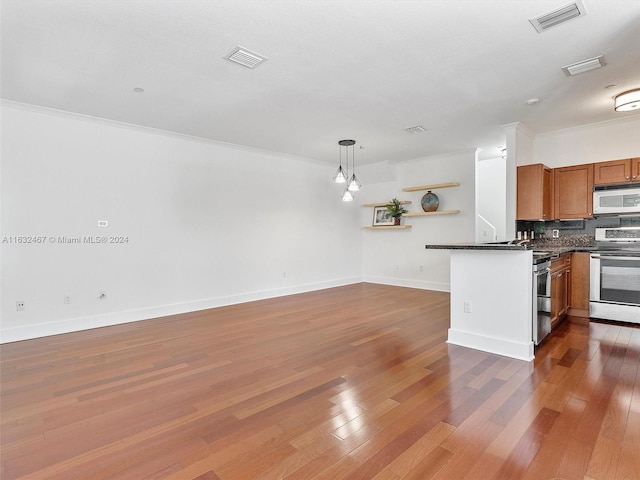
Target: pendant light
column 347, row 196
column 354, row 184
column 342, row 174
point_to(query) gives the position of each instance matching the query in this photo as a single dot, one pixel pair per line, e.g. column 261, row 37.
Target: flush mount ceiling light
column 556, row 17
column 246, row 57
column 627, row 101
column 342, row 174
column 584, row 66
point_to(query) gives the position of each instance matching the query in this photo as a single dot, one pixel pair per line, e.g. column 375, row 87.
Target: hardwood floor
column 354, row 382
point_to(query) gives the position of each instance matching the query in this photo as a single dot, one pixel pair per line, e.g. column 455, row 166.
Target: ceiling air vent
column 246, row 57
column 584, row 66
column 415, row 129
column 563, row 14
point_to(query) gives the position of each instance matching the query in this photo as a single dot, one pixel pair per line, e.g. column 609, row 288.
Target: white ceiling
column 336, row 69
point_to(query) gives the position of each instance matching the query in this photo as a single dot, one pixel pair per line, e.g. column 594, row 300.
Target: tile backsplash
column 576, row 233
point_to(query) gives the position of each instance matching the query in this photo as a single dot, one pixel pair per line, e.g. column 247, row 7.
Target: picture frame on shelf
column 382, row 217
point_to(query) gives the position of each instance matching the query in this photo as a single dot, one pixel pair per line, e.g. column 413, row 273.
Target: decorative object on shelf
column 381, row 217
column 627, row 101
column 342, row 174
column 395, row 210
column 430, row 202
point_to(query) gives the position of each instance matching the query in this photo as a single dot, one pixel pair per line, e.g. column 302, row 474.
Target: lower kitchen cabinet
column 560, row 288
column 579, row 278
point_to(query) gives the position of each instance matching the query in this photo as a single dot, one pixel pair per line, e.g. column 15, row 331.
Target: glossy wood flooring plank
column 414, row 458
column 354, row 382
column 527, row 447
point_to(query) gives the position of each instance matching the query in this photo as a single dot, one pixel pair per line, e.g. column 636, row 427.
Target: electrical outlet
column 555, row 233
column 20, row 306
column 67, row 299
column 467, row 307
column 421, row 268
column 102, row 295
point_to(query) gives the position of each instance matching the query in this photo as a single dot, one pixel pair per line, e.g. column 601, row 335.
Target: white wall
column 519, row 142
column 207, row 224
column 597, row 142
column 399, row 257
column 491, row 184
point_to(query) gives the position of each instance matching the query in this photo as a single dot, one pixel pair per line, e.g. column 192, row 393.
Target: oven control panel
column 621, row 234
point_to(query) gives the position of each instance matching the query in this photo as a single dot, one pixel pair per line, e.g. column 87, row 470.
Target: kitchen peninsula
column 491, row 298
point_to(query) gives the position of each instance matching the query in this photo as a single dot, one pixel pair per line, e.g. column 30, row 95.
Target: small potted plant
column 395, row 209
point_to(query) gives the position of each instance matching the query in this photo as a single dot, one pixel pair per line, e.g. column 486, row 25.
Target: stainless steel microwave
column 616, row 199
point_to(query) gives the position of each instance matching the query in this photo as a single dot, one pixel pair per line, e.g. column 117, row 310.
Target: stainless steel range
column 614, row 292
column 541, row 304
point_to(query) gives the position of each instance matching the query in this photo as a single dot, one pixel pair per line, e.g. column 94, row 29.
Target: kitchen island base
column 491, row 301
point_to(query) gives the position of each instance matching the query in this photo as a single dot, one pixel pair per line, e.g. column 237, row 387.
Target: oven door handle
column 594, row 278
column 615, row 257
column 544, row 271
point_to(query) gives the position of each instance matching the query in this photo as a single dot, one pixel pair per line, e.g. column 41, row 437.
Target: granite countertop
column 478, row 246
column 506, row 246
column 545, row 249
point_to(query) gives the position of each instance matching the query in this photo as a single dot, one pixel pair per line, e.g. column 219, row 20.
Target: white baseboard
column 401, row 282
column 499, row 346
column 46, row 329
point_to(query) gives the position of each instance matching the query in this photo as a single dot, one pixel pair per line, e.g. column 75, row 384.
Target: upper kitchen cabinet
column 534, row 192
column 573, row 191
column 617, row 171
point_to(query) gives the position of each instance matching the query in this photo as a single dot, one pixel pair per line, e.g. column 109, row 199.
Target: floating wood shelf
column 424, row 214
column 388, row 227
column 431, row 187
column 384, row 204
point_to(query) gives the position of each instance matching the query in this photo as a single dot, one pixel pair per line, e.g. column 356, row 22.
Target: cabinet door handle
column 627, row 177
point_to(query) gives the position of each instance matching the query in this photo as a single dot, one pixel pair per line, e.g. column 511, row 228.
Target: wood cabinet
column 579, row 278
column 534, row 192
column 616, row 171
column 560, row 288
column 573, row 192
